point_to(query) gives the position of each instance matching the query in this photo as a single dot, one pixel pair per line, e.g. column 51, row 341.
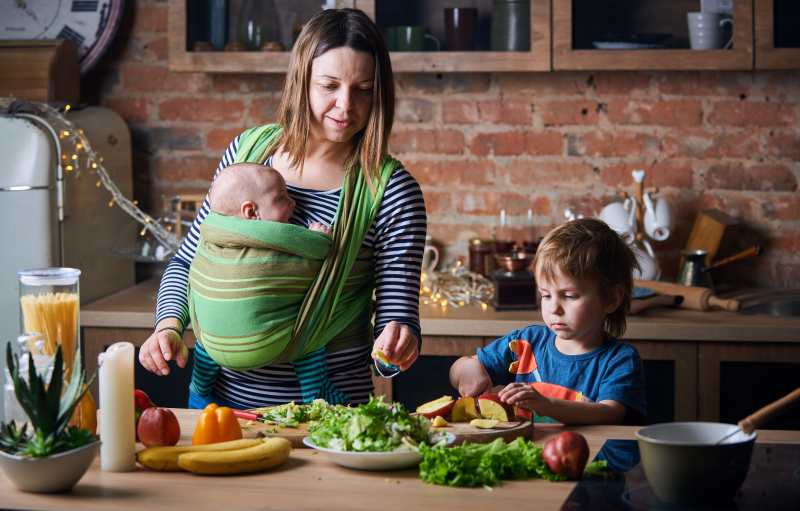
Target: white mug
column 648, row 265
column 430, row 256
column 618, row 217
column 705, row 30
column 657, row 217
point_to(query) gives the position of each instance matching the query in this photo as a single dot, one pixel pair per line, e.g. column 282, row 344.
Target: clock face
column 89, row 24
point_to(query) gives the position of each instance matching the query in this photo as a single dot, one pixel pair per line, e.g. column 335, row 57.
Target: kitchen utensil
column 515, row 286
column 695, row 298
column 744, row 254
column 762, row 415
column 684, row 466
column 508, row 431
column 712, row 228
column 640, row 304
column 692, row 273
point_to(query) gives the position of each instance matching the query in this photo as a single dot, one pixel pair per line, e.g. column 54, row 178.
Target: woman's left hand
column 399, row 344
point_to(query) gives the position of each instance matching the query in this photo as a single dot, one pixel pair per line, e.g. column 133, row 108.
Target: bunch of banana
column 234, row 457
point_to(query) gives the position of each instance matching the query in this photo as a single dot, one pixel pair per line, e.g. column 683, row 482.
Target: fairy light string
column 77, row 155
column 456, row 286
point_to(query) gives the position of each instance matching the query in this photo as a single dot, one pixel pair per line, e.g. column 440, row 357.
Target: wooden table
column 308, row 481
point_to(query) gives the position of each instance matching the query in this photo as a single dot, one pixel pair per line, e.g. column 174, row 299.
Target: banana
column 166, row 458
column 269, row 453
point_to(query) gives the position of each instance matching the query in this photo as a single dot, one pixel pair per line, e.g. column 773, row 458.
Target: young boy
column 254, row 192
column 574, row 369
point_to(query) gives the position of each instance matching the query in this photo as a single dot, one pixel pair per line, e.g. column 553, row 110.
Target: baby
column 572, row 369
column 254, row 192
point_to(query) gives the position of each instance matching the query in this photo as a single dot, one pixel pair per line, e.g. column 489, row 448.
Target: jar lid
column 49, row 276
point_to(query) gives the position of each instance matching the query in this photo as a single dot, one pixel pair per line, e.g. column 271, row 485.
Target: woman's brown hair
column 330, row 29
column 587, row 248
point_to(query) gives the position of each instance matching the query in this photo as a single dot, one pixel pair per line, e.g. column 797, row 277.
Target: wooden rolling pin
column 695, row 298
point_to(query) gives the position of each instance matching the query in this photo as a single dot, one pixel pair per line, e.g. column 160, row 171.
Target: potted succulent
column 53, row 456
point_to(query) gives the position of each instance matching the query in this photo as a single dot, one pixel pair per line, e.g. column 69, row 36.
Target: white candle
column 117, row 433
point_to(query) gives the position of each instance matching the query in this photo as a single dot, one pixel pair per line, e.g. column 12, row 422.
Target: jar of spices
column 481, row 256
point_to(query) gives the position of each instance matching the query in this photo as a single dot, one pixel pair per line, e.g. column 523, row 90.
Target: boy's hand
column 475, row 388
column 160, row 348
column 522, row 395
column 470, row 377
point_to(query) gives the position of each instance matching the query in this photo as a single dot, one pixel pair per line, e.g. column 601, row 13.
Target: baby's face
column 275, row 204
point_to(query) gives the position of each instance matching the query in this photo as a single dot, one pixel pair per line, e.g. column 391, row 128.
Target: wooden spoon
column 762, row 415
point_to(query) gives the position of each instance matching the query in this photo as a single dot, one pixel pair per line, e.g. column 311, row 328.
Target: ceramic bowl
column 56, row 473
column 684, row 465
column 514, row 262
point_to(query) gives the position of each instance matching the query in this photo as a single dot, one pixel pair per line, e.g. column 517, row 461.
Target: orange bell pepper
column 216, row 424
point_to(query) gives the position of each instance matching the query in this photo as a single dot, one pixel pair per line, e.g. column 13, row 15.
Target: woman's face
column 340, row 94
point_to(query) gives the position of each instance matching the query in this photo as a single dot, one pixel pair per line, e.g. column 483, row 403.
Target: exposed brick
column 452, row 173
column 151, row 18
column 783, row 145
column 659, row 113
column 263, row 109
column 703, row 83
column 200, row 110
column 159, row 138
column 488, row 202
column 621, row 83
column 505, row 112
column 413, row 110
column 472, row 82
column 660, row 174
column 545, row 175
column 699, row 143
column 755, row 177
column 565, row 113
column 544, row 143
column 544, row 84
column 172, row 169
column 218, row 139
column 427, row 141
column 438, row 202
column 137, row 77
column 411, row 83
column 130, row 109
column 783, row 207
column 615, row 143
column 261, row 83
column 751, row 113
column 460, row 111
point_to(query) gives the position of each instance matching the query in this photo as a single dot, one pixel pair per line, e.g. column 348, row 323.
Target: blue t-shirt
column 612, row 371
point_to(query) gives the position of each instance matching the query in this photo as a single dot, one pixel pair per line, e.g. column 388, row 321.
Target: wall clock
column 89, row 24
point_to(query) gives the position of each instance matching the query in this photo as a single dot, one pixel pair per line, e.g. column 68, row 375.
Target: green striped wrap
column 247, row 284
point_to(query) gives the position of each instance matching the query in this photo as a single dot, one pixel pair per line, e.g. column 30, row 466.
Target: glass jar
column 28, row 345
column 481, row 256
column 511, row 25
column 258, row 24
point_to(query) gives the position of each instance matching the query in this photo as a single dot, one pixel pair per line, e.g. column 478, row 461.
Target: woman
column 336, row 113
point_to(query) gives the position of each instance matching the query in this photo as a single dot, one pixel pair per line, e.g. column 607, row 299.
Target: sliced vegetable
column 216, row 424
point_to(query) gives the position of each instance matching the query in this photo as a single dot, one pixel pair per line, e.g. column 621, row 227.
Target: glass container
column 258, row 24
column 27, row 345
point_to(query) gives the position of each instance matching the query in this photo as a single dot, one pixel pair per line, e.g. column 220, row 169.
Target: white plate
column 401, row 458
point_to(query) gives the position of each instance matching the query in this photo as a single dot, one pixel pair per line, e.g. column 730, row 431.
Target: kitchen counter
column 133, row 308
column 309, row 481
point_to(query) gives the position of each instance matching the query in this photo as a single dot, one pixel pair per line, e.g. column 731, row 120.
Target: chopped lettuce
column 290, row 415
column 374, row 426
column 483, row 464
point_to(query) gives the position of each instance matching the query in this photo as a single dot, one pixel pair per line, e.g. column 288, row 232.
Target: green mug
column 408, row 38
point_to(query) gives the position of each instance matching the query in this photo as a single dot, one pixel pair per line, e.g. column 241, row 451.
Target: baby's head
column 589, row 252
column 252, row 192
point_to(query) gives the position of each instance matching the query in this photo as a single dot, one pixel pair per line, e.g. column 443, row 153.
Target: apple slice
column 491, row 407
column 437, row 407
column 484, row 423
column 465, row 410
column 439, row 422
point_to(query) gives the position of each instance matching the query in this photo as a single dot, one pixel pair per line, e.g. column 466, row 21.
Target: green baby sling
column 266, row 292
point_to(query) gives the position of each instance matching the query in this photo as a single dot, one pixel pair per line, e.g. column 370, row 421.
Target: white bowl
column 403, row 457
column 56, row 473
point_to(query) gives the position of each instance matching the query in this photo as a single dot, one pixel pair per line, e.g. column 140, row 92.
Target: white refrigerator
column 46, row 221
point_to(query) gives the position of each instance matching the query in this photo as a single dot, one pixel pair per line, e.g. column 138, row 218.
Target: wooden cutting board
column 250, row 429
column 508, row 431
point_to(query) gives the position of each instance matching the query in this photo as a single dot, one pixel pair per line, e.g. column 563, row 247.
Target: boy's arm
column 562, row 410
column 469, row 376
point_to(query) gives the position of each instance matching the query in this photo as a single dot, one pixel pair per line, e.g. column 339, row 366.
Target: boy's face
column 275, row 203
column 573, row 308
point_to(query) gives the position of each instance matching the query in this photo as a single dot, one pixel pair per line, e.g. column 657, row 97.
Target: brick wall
column 480, row 142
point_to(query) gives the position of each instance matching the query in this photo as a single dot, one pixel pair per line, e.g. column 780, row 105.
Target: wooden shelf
column 565, row 57
column 538, row 59
column 767, row 55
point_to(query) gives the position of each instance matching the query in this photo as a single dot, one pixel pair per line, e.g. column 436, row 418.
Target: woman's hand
column 523, row 396
column 399, row 345
column 160, row 348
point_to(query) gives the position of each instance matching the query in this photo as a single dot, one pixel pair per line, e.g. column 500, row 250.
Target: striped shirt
column 397, row 238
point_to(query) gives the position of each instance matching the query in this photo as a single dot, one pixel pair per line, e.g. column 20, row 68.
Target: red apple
column 141, row 402
column 438, row 407
column 158, row 426
column 465, row 409
column 566, row 454
column 492, row 407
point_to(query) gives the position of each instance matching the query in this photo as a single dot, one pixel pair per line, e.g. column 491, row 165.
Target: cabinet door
column 671, row 379
column 643, row 34
column 777, row 34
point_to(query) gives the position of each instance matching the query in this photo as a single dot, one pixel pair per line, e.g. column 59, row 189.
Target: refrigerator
column 50, row 221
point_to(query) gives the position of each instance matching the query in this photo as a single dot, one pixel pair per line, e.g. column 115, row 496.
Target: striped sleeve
column 400, row 228
column 172, row 300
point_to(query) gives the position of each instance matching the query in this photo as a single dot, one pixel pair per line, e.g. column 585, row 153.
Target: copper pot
column 514, row 262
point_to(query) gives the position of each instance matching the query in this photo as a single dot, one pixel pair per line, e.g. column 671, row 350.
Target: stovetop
column 773, row 482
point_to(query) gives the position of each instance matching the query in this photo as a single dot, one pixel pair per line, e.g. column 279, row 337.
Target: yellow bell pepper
column 216, row 424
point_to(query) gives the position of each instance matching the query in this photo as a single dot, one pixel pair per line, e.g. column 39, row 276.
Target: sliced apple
column 437, row 407
column 465, row 410
column 491, row 407
column 439, row 422
column 484, row 423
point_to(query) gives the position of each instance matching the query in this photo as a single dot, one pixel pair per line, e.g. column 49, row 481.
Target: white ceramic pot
column 56, row 473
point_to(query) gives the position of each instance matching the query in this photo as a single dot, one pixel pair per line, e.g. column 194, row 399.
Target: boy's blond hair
column 589, row 249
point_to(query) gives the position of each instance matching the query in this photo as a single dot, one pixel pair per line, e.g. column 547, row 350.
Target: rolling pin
column 695, row 298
